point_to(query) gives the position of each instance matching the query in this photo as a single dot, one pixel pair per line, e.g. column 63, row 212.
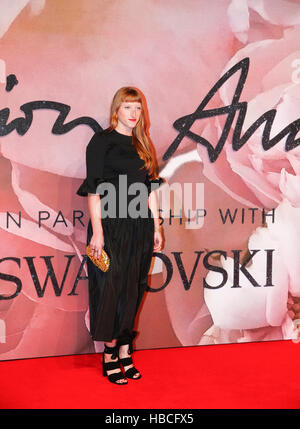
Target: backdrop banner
column 222, row 84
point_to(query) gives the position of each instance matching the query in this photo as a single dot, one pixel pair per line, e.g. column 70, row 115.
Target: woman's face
column 128, row 116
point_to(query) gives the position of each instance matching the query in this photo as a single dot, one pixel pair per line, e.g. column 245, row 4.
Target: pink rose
column 256, row 20
column 252, row 175
column 260, row 312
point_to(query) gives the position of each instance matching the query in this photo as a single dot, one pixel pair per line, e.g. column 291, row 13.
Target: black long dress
column 115, row 295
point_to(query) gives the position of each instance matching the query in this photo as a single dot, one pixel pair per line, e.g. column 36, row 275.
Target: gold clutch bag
column 103, row 262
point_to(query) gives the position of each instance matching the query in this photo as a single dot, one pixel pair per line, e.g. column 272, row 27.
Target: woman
column 120, row 156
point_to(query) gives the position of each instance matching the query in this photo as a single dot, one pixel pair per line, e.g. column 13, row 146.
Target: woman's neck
column 123, row 130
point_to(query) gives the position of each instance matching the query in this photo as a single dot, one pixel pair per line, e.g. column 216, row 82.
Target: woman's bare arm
column 97, row 240
column 154, row 206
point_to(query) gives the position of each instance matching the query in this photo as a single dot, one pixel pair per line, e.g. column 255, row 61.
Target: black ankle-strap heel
column 108, row 366
column 130, row 372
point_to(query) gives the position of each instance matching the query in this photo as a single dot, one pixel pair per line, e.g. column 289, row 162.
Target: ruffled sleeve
column 154, row 184
column 95, row 157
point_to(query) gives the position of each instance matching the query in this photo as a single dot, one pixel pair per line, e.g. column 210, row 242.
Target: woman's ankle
column 124, row 350
column 111, row 344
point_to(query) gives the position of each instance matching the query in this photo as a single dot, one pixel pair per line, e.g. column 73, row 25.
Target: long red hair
column 139, row 134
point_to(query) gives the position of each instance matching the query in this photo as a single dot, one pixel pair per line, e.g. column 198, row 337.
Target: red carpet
column 251, row 375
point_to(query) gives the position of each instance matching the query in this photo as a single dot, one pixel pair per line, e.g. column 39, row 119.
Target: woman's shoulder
column 102, row 135
column 100, row 139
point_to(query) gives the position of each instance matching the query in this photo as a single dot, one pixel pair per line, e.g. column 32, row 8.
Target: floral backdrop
column 60, row 64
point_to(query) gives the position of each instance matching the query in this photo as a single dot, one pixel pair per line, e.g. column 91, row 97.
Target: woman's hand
column 158, row 240
column 96, row 245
